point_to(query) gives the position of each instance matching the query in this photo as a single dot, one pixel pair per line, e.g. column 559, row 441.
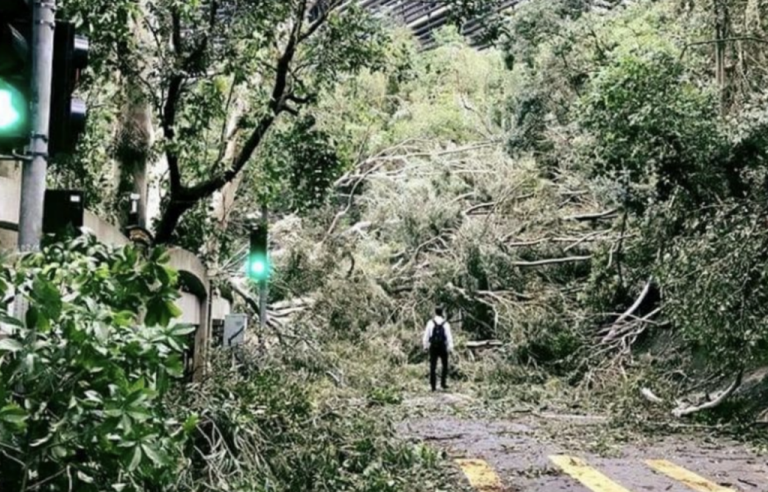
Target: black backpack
column 438, row 335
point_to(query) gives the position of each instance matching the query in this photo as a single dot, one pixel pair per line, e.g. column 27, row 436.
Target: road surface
column 557, row 453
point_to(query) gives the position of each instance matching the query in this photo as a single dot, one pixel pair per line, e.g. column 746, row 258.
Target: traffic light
column 257, row 265
column 70, row 57
column 13, row 110
column 15, row 74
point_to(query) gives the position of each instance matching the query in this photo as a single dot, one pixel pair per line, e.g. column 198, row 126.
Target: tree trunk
column 722, row 22
column 223, row 201
column 134, row 141
column 135, row 132
column 170, row 219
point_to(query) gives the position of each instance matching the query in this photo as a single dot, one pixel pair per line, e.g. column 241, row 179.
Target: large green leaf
column 10, row 345
column 135, row 458
column 10, row 320
column 157, row 457
column 13, row 414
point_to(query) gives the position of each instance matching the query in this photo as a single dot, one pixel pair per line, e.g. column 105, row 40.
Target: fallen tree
column 684, row 409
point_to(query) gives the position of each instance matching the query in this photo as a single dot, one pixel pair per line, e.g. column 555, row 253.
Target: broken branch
column 551, row 261
column 681, row 412
column 608, row 214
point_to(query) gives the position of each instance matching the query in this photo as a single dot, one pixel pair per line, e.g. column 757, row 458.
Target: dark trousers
column 434, row 354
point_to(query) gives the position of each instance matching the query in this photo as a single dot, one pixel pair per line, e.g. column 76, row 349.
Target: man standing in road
column 438, row 342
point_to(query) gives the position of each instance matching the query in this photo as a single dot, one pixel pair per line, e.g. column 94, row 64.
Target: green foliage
column 210, row 78
column 348, row 43
column 341, row 307
column 553, row 345
column 298, row 273
column 449, row 93
column 384, row 396
column 83, row 378
column 107, row 24
column 656, row 127
column 654, row 130
column 534, row 24
column 598, row 112
column 713, row 276
column 300, row 166
column 260, row 430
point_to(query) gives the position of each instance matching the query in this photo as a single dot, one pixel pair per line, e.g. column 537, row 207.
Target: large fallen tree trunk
column 684, row 409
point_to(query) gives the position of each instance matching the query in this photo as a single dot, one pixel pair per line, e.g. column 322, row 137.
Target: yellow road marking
column 585, row 474
column 700, row 484
column 480, row 475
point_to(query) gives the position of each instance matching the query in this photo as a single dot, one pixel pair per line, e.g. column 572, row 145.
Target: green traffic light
column 13, row 111
column 257, row 268
column 8, row 114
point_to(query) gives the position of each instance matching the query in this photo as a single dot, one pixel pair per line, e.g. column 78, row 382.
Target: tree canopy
column 217, row 75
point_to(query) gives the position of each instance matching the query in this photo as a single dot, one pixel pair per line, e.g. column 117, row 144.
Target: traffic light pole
column 34, row 171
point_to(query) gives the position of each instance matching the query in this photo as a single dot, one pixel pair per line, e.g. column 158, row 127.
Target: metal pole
column 34, row 172
column 263, row 291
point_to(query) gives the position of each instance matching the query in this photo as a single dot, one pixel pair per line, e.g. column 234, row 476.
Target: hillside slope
column 585, row 195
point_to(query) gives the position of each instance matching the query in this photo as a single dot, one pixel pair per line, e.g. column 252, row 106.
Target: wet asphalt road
column 524, row 453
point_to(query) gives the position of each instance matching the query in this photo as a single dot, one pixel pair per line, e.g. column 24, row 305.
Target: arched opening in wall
column 193, row 303
column 221, row 306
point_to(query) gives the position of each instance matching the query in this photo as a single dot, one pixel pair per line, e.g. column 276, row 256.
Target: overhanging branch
column 169, row 122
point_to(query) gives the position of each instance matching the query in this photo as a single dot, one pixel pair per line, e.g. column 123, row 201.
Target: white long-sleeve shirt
column 431, row 326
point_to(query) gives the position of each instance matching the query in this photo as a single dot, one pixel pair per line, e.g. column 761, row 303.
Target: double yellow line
column 483, row 479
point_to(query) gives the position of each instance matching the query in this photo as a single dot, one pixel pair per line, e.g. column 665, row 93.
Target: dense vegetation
column 92, row 397
column 589, row 191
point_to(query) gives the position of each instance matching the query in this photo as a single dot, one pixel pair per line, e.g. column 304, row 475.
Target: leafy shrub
column 714, row 278
column 534, row 24
column 384, row 396
column 654, row 129
column 353, row 306
column 82, row 379
column 261, row 429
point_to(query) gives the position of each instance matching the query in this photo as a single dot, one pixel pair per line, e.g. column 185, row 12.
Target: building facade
column 423, row 17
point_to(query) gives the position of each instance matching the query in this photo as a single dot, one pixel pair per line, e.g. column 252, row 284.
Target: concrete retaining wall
column 103, row 230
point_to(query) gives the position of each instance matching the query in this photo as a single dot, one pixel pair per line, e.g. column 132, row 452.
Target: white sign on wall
column 234, row 329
